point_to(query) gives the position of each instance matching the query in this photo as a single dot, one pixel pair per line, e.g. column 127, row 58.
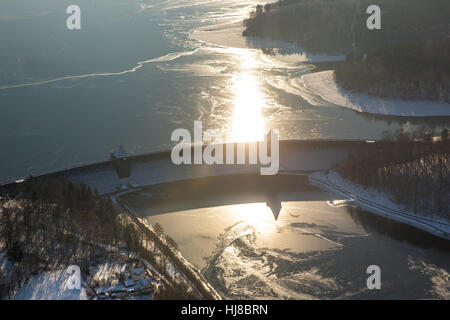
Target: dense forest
column 415, row 169
column 408, row 71
column 409, row 58
column 52, row 223
column 339, row 26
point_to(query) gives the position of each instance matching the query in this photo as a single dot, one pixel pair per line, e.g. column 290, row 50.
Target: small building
column 120, row 162
column 129, row 282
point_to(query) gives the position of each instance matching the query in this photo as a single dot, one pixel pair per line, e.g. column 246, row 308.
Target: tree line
column 339, row 26
column 413, row 168
column 53, row 223
column 419, row 71
column 409, row 58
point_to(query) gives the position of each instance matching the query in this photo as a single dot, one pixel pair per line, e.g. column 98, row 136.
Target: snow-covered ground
column 138, row 283
column 323, row 84
column 50, row 286
column 103, row 280
column 230, row 35
column 5, row 264
column 225, row 35
column 379, row 203
column 153, row 171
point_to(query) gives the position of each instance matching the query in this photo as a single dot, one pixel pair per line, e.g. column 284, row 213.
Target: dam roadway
column 157, row 168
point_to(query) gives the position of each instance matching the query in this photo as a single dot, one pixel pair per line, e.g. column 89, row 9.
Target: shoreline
column 323, row 84
column 320, row 83
column 369, row 200
column 229, row 35
column 188, row 270
column 379, row 204
column 222, row 35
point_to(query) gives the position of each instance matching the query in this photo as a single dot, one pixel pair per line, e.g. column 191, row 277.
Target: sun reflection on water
column 257, row 215
column 249, row 101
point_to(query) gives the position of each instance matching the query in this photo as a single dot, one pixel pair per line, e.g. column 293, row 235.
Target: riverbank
column 321, row 83
column 324, row 85
column 378, row 203
column 230, row 36
column 188, row 271
column 224, row 35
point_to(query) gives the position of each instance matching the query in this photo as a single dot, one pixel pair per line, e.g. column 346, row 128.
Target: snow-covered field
column 50, row 286
column 323, row 84
column 379, row 203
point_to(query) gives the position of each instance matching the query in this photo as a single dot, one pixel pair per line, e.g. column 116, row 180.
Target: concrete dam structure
column 124, row 173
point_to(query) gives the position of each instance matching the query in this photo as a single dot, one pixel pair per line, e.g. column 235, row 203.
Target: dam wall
column 157, row 168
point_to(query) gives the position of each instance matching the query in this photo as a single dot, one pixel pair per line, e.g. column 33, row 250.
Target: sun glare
column 247, row 121
column 256, row 214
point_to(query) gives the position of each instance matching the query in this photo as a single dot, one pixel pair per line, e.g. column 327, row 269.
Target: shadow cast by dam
column 273, row 191
column 397, row 231
column 223, row 191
